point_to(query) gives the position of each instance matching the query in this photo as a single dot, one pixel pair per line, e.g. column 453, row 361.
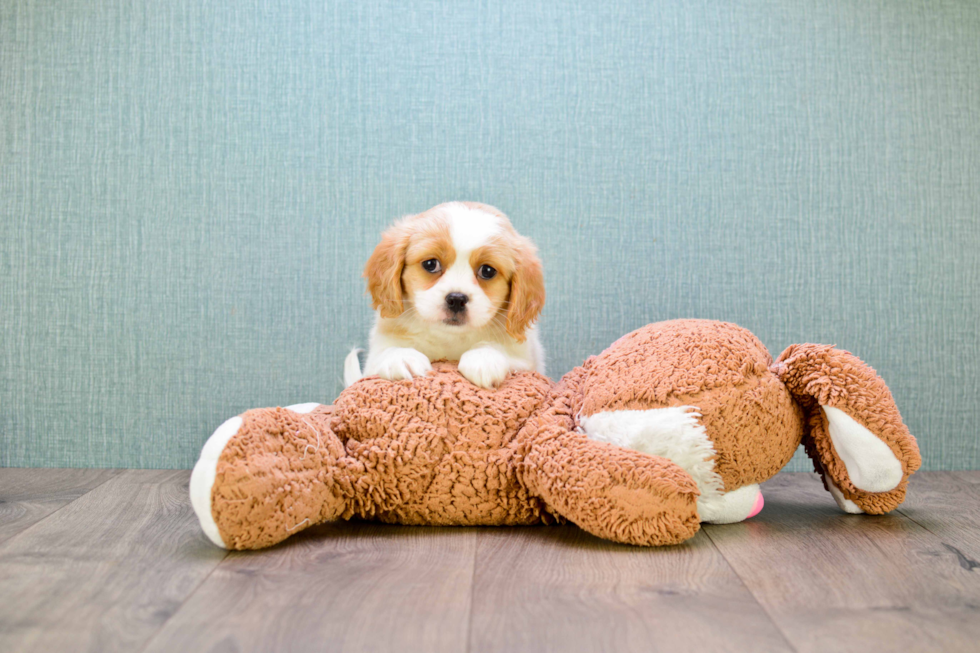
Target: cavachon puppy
column 456, row 282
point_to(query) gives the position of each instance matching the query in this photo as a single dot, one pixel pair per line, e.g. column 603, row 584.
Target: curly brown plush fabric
column 439, row 450
column 720, row 368
column 819, row 375
column 454, row 460
column 615, row 493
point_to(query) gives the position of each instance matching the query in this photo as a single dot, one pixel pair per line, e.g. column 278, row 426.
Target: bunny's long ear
column 856, row 437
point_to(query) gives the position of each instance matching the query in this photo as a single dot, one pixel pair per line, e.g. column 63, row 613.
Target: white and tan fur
column 491, row 335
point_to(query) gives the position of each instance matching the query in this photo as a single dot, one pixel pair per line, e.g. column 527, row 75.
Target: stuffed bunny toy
column 675, row 424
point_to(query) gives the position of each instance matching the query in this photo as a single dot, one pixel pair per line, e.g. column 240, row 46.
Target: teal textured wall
column 188, row 192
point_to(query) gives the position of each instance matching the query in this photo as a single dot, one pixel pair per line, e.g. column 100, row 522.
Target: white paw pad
column 202, row 478
column 400, row 363
column 484, row 367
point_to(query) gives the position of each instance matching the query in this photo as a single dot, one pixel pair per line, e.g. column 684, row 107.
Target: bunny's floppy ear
column 856, row 437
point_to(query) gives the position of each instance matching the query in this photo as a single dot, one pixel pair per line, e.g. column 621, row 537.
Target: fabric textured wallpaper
column 189, row 191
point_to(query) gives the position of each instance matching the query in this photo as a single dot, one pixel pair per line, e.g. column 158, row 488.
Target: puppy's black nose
column 456, row 302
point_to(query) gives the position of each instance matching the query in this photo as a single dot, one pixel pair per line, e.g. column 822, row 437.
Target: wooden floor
column 107, row 560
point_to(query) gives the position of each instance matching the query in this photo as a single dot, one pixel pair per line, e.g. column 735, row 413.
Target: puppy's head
column 459, row 265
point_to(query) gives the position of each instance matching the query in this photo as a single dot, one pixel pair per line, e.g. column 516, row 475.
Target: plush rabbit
column 674, row 424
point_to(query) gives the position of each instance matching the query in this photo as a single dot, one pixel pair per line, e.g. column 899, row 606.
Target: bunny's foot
column 301, row 483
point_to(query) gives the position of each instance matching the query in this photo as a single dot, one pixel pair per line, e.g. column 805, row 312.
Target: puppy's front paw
column 484, row 366
column 400, row 363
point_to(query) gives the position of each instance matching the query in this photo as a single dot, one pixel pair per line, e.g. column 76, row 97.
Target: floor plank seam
column 118, row 473
column 180, row 607
column 962, row 559
column 748, row 589
column 194, row 591
column 469, row 618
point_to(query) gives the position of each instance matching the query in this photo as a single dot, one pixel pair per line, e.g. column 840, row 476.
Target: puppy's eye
column 486, row 272
column 431, row 265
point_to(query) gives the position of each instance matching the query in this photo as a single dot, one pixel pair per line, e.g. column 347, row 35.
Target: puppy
column 456, row 282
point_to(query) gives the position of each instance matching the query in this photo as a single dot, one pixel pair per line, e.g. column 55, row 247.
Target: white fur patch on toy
column 732, row 507
column 870, row 463
column 843, row 502
column 302, row 409
column 202, row 478
column 674, row 433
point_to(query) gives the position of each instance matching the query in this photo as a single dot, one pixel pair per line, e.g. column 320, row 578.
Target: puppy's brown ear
column 384, row 271
column 526, row 291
